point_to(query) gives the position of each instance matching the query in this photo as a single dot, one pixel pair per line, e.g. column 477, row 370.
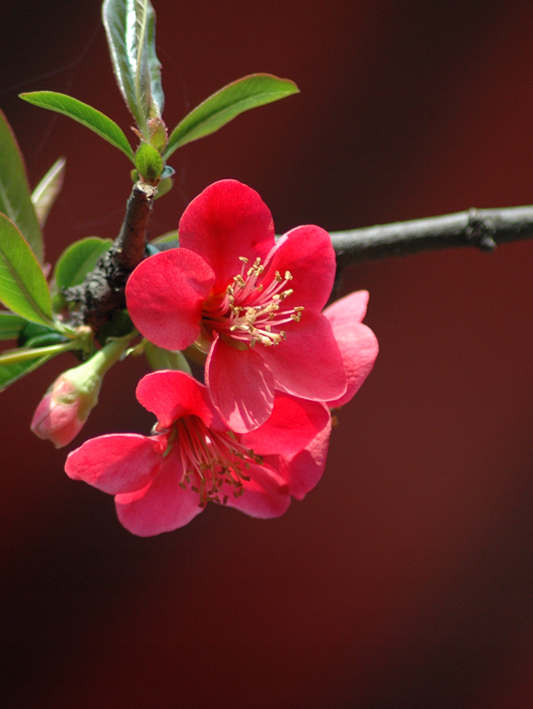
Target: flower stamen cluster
column 250, row 313
column 211, row 460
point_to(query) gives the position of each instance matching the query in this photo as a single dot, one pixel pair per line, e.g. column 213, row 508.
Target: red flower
column 162, row 481
column 253, row 305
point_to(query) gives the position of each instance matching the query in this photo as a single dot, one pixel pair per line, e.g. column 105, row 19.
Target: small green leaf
column 15, row 364
column 46, row 192
column 11, row 326
column 227, row 103
column 23, row 287
column 15, row 199
column 79, row 259
column 130, row 30
column 148, row 162
column 84, row 114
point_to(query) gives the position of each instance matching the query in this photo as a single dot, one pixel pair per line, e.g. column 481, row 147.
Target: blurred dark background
column 405, row 579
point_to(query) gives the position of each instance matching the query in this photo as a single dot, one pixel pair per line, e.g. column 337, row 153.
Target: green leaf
column 84, row 114
column 130, row 30
column 79, row 259
column 10, row 373
column 23, row 287
column 227, row 103
column 46, row 192
column 35, row 335
column 11, row 326
column 15, row 200
column 148, row 162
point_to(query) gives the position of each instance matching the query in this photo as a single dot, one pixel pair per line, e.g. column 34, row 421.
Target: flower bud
column 69, row 401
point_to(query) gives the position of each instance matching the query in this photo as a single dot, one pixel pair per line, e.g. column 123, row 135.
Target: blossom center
column 251, row 311
column 215, row 464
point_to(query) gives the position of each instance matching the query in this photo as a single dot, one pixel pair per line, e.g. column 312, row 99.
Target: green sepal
column 227, row 103
column 158, row 358
column 82, row 113
column 23, row 287
column 15, row 197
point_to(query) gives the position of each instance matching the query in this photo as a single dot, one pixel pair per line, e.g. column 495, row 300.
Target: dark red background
column 406, row 578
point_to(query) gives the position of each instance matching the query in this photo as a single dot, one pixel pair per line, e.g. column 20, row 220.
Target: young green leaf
column 46, row 192
column 227, row 103
column 148, row 162
column 11, row 325
column 15, row 200
column 130, row 30
column 84, row 114
column 78, row 259
column 23, row 287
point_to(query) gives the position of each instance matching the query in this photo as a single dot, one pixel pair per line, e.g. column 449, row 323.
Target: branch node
column 480, row 230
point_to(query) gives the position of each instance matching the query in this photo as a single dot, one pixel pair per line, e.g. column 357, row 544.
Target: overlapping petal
column 227, row 221
column 357, row 343
column 165, row 295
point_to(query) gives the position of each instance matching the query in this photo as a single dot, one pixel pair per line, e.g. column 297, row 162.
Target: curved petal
column 347, row 310
column 160, row 507
column 308, row 363
column 304, row 470
column 293, row 425
column 306, row 252
column 165, row 294
column 117, row 463
column 264, row 496
column 357, row 343
column 241, row 386
column 170, row 395
column 226, row 221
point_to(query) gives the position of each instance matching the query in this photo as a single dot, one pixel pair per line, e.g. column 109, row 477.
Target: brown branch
column 101, row 294
column 483, row 228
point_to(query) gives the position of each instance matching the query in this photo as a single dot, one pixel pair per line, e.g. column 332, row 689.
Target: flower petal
column 293, row 425
column 308, row 363
column 160, row 507
column 240, row 384
column 172, row 394
column 122, row 462
column 306, row 252
column 304, row 470
column 265, row 494
column 226, row 221
column 357, row 343
column 165, row 294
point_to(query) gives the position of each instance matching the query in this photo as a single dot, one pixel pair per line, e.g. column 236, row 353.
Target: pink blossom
column 253, row 305
column 161, row 482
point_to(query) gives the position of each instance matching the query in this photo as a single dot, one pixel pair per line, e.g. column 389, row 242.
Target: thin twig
column 482, row 228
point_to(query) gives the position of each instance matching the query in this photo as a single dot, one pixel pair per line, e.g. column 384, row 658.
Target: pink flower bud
column 69, row 401
column 64, row 409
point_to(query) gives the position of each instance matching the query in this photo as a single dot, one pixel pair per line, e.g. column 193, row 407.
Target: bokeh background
column 405, row 579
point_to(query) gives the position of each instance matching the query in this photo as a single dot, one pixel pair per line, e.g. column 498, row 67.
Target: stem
column 484, row 228
column 23, row 355
column 101, row 295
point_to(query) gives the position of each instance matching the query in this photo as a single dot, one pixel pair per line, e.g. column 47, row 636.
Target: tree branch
column 101, row 294
column 483, row 228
